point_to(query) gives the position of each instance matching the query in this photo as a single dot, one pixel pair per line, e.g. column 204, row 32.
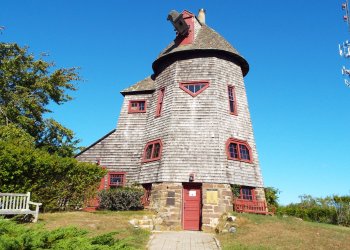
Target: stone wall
column 166, row 200
column 213, row 208
column 260, row 194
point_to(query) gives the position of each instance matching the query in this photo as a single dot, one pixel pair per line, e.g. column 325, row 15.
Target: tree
column 27, row 86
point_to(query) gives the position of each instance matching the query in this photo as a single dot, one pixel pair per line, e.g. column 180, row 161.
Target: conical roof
column 207, row 40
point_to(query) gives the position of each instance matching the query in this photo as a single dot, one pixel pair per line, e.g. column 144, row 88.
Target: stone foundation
column 217, row 199
column 260, row 194
column 166, row 200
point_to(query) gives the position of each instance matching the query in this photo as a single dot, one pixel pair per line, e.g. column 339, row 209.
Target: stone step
column 150, row 227
column 145, row 222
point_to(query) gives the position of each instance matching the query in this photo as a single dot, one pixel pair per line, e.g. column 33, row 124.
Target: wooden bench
column 18, row 204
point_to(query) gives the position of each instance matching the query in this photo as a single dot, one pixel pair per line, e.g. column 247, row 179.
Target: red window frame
column 239, row 149
column 247, row 193
column 110, row 176
column 232, row 102
column 150, row 147
column 138, row 106
column 195, row 83
column 160, row 102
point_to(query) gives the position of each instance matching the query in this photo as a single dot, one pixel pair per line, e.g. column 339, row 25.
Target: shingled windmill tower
column 185, row 133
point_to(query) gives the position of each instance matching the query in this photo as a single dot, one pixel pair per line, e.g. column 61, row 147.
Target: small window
column 194, row 88
column 247, row 193
column 238, row 150
column 116, row 179
column 232, row 100
column 160, row 102
column 137, row 106
column 153, row 151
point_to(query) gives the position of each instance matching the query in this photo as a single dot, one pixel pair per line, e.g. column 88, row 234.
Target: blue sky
column 298, row 101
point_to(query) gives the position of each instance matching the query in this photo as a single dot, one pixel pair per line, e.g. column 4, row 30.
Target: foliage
column 13, row 236
column 235, row 190
column 57, row 182
column 27, row 87
column 121, row 199
column 331, row 209
column 271, row 195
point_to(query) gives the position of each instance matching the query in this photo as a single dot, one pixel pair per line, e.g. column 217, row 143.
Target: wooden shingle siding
column 194, row 130
column 122, row 150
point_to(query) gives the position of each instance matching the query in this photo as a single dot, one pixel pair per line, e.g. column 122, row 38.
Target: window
column 247, row 193
column 116, row 179
column 194, row 88
column 138, row 106
column 153, row 151
column 238, row 150
column 232, row 100
column 160, row 102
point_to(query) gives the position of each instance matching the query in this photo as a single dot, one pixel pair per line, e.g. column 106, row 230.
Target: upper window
column 194, row 88
column 232, row 99
column 160, row 102
column 247, row 193
column 138, row 106
column 116, row 179
column 153, row 151
column 238, row 150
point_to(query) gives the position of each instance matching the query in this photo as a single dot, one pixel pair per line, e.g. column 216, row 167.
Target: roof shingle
column 207, row 39
column 146, row 84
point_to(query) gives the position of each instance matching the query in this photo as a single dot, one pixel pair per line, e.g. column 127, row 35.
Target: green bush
column 121, row 199
column 271, row 195
column 14, row 236
column 57, row 182
column 332, row 209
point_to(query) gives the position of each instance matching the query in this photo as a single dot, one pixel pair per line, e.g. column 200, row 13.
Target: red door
column 192, row 206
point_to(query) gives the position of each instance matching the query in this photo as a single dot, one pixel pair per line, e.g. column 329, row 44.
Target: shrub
column 14, row 236
column 271, row 195
column 332, row 209
column 121, row 199
column 57, row 182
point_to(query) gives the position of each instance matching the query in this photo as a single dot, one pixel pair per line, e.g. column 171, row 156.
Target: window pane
column 116, row 179
column 231, row 99
column 232, row 107
column 244, row 152
column 247, row 193
column 191, row 88
column 156, row 150
column 133, row 106
column 149, row 151
column 142, row 106
column 233, row 150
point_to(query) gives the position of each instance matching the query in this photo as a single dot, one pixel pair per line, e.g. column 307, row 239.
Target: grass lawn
column 272, row 232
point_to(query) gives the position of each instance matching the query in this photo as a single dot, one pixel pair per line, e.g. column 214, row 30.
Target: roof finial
column 201, row 16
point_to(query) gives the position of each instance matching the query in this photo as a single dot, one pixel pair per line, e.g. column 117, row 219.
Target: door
column 192, row 204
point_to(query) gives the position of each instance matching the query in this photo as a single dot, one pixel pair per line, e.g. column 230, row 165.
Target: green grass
column 272, row 232
column 76, row 230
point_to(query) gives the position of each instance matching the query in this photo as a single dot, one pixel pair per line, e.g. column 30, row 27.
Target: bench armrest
column 34, row 203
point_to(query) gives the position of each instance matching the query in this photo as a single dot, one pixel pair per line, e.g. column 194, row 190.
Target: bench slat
column 10, row 194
